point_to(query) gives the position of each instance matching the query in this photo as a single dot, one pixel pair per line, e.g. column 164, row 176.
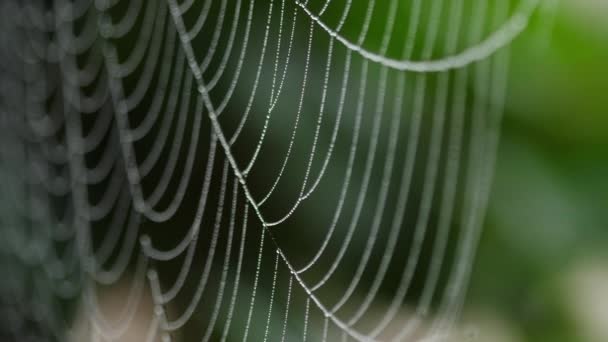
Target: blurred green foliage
column 548, row 207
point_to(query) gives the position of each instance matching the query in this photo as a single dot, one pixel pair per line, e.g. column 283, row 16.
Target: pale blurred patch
column 481, row 325
column 585, row 293
column 112, row 303
column 590, row 13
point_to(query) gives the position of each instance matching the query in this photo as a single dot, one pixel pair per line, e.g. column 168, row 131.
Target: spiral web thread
column 184, row 151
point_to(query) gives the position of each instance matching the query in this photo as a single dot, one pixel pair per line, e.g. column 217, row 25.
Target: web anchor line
column 512, row 28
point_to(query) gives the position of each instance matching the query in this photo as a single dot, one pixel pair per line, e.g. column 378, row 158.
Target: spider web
column 247, row 169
